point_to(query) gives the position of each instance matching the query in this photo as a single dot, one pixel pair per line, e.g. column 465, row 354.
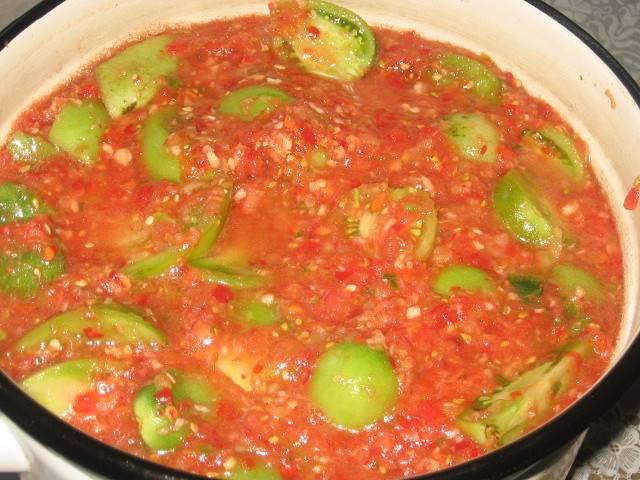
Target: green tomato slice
column 23, row 274
column 153, row 265
column 502, row 417
column 370, row 208
column 78, row 129
column 484, row 83
column 332, row 42
column 473, row 135
column 523, row 212
column 214, row 216
column 254, row 313
column 18, row 203
column 160, row 164
column 231, row 274
column 354, row 385
column 464, row 277
column 131, row 78
column 570, row 278
column 29, row 149
column 116, row 324
column 193, row 387
column 565, row 150
column 159, row 432
column 250, row 102
column 56, row 387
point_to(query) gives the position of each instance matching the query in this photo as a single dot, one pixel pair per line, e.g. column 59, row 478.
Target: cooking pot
column 554, row 58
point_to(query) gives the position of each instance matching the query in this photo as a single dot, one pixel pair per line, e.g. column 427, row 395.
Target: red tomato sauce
column 287, row 224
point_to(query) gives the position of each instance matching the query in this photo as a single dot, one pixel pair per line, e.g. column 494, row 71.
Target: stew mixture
column 296, row 247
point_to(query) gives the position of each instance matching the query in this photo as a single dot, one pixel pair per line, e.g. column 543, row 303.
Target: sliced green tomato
column 569, row 279
column 18, row 203
column 193, row 387
column 484, row 83
column 219, row 271
column 473, row 135
column 257, row 473
column 131, row 79
column 505, row 415
column 426, row 241
column 522, row 210
column 254, row 313
column 29, row 149
column 370, row 209
column 153, row 265
column 214, row 216
column 158, row 432
column 464, row 277
column 249, row 102
column 57, row 387
column 342, row 45
column 527, row 286
column 354, row 385
column 23, row 274
column 160, row 164
column 564, row 148
column 78, row 129
column 115, row 324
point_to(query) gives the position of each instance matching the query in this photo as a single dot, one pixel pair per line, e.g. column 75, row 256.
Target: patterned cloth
column 615, row 23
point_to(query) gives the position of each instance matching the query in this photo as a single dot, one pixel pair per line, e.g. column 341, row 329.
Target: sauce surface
column 329, row 190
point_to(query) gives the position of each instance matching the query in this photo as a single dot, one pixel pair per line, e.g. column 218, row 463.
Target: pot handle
column 12, row 456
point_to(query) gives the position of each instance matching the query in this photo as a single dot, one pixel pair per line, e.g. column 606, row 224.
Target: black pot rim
column 96, row 457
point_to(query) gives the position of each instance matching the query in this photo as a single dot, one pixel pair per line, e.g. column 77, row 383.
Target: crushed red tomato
column 251, row 223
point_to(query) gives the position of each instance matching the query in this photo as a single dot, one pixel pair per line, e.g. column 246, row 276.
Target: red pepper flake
column 313, row 32
column 223, row 294
column 92, row 332
column 164, row 396
column 633, row 197
column 86, row 403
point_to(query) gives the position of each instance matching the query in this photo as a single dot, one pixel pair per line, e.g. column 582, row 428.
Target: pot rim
column 97, row 457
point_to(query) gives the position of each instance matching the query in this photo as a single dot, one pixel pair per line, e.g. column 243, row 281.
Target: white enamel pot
column 554, row 58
